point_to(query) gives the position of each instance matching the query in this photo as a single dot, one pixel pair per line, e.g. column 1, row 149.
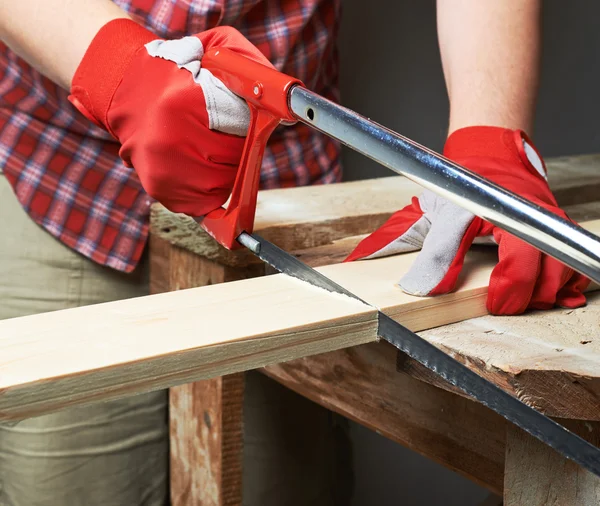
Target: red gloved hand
column 524, row 277
column 180, row 128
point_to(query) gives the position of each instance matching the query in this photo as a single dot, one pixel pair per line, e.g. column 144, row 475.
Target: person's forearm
column 490, row 56
column 53, row 35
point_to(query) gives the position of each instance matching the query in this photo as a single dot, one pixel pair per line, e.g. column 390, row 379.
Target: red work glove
column 524, row 277
column 180, row 128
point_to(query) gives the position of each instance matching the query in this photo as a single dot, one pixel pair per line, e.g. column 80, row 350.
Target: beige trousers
column 116, row 453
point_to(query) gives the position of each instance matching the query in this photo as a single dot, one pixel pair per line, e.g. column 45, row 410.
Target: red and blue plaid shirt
column 66, row 172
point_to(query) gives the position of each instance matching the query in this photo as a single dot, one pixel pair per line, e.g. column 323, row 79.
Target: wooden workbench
column 548, row 359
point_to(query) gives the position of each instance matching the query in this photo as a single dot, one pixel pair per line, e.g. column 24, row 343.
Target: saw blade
column 567, row 443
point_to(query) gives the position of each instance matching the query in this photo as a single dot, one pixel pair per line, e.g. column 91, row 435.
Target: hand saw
column 275, row 98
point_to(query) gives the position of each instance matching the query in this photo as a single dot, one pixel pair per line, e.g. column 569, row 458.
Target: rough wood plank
column 548, row 359
column 296, row 218
column 362, row 384
column 336, row 251
column 307, row 217
column 536, row 475
column 205, row 417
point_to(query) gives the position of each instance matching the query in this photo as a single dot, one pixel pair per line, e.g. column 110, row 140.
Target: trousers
column 116, row 453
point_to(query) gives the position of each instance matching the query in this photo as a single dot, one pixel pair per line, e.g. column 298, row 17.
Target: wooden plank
column 205, row 417
column 362, row 384
column 537, row 475
column 548, row 359
column 336, row 251
column 307, row 217
column 120, row 347
column 296, row 218
column 58, row 359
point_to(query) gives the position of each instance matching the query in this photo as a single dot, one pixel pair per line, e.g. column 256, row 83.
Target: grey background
column 391, row 72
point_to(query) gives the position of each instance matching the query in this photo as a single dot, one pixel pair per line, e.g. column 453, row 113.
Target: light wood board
column 57, row 359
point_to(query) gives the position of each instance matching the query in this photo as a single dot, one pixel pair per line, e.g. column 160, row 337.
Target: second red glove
column 523, row 277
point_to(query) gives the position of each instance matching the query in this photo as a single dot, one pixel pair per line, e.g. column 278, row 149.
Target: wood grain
column 537, row 475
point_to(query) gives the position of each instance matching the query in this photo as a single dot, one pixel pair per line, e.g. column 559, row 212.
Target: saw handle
column 266, row 91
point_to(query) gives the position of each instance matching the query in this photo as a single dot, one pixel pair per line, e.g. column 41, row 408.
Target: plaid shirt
column 66, row 172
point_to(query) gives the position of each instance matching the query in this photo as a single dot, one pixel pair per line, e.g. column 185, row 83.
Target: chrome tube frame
column 559, row 238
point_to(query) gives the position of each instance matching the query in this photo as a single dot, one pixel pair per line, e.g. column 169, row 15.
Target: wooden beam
column 311, row 216
column 536, row 474
column 362, row 384
column 206, row 442
column 58, row 359
column 296, row 218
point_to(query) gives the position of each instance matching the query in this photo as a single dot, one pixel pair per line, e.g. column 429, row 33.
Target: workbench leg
column 206, row 442
column 206, row 417
column 536, row 475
